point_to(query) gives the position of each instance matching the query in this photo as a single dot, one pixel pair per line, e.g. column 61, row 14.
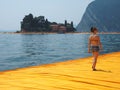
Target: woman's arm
column 100, row 44
column 89, row 44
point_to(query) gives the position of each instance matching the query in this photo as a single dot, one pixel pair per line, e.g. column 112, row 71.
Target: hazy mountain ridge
column 104, row 14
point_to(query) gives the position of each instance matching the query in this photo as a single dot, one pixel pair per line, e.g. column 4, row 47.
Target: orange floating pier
column 69, row 75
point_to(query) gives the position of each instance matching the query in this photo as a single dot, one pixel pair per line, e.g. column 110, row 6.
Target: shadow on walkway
column 101, row 70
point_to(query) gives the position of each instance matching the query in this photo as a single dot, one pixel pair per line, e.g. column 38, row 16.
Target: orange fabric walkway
column 69, row 75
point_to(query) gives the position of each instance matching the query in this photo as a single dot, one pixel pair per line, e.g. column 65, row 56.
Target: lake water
column 18, row 50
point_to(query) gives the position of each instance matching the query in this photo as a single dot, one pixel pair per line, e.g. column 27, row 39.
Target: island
column 40, row 24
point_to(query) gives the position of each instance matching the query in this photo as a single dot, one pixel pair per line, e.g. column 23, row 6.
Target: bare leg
column 95, row 55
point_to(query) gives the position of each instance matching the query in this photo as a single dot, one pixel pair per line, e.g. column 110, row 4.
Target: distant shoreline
column 57, row 33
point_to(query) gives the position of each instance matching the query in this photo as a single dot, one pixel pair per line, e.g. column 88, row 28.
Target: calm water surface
column 17, row 50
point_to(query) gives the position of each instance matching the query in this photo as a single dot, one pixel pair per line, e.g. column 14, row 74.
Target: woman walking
column 94, row 46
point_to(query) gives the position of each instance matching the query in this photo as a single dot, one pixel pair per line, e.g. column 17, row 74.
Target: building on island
column 58, row 28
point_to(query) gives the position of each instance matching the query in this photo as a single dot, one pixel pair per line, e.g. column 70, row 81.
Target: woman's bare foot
column 93, row 68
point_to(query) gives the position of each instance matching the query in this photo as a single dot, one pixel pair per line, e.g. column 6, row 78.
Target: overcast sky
column 13, row 11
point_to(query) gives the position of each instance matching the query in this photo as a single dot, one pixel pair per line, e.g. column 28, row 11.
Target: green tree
column 66, row 23
column 72, row 24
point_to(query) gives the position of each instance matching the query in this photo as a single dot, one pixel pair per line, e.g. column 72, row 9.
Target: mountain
column 103, row 14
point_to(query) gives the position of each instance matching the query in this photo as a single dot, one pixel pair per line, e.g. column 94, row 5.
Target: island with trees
column 40, row 24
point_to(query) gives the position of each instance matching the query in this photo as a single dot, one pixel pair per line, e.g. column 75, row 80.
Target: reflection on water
column 31, row 49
